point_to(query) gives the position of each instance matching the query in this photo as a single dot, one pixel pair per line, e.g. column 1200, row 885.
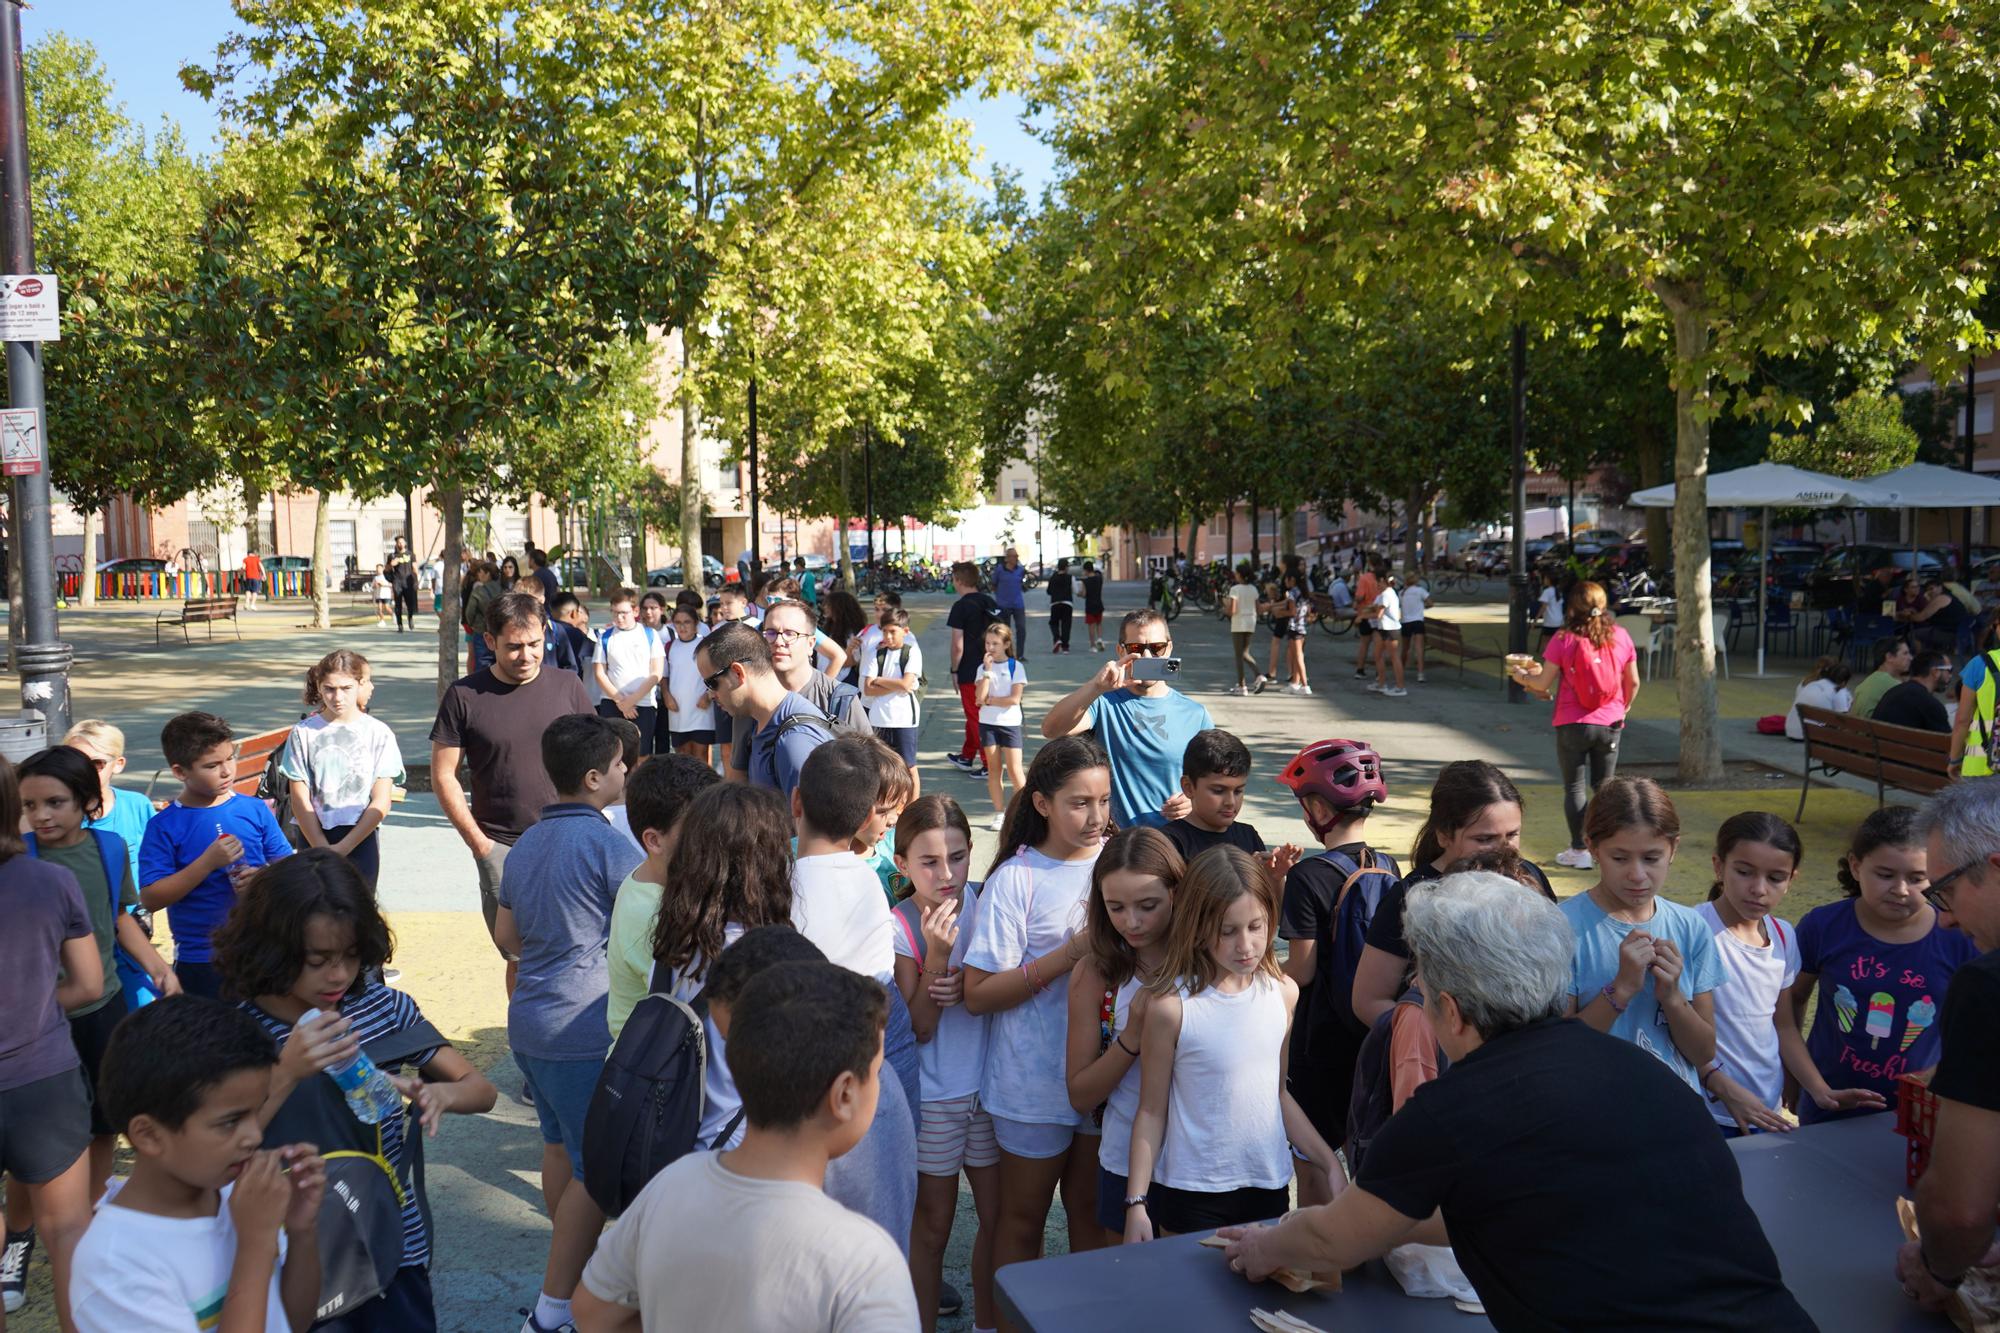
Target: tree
column 1866, row 437
column 479, row 215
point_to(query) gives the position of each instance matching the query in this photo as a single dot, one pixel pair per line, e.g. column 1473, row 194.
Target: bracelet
column 1139, row 1201
column 1710, row 1070
column 1120, row 1040
column 1610, row 994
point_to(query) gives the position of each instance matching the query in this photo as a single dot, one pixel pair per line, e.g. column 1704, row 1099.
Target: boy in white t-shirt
column 208, row 1231
column 631, row 659
column 1242, row 599
column 1415, row 598
column 748, row 1238
column 837, row 901
column 1388, row 636
column 891, row 681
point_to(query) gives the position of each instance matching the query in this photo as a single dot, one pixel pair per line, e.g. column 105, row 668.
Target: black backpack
column 1372, row 1102
column 646, row 1112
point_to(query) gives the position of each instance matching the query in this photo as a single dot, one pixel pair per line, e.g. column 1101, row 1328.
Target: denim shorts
column 563, row 1089
column 996, row 734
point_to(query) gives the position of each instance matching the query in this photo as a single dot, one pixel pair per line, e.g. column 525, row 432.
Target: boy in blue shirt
column 556, row 895
column 196, row 848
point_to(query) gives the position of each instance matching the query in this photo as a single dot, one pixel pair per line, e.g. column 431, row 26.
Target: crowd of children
column 1104, row 1016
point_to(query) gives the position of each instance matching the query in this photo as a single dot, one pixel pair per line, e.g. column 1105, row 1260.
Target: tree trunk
column 846, row 558
column 253, row 504
column 86, row 584
column 450, row 502
column 323, row 561
column 691, row 496
column 1650, row 449
column 1194, row 535
column 1229, row 535
column 1694, row 648
column 1287, row 539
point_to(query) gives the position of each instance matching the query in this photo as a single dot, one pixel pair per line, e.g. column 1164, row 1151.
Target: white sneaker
column 1394, row 692
column 1238, row 689
column 1576, row 858
column 1375, row 686
column 1420, row 678
column 996, row 823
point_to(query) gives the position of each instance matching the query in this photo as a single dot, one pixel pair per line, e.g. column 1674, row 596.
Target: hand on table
column 1248, row 1251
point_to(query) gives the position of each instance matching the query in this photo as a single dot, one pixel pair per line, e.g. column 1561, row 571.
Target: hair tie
column 1596, row 611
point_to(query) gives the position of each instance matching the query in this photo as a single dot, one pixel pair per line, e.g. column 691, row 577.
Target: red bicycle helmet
column 1345, row 774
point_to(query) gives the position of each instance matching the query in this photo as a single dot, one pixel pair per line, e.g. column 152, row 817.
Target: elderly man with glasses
column 1960, row 1190
column 1577, row 1179
column 1144, row 725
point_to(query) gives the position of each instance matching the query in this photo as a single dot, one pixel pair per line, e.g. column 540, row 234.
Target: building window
column 1020, row 490
column 340, row 541
column 392, row 528
column 267, row 536
column 1982, row 415
column 513, row 530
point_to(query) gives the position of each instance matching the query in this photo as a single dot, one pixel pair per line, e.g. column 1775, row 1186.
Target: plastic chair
column 1834, row 632
column 1778, row 619
column 1645, row 636
column 1869, row 631
column 1718, row 623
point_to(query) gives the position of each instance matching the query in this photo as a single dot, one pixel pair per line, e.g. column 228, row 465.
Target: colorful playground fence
column 143, row 585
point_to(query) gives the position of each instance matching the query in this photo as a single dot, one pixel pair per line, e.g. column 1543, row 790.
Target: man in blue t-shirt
column 735, row 665
column 1143, row 725
column 1009, row 579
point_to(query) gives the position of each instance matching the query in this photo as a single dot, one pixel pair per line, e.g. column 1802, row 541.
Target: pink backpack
column 1593, row 673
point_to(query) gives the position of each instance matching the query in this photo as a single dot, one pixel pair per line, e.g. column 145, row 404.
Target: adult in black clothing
column 544, row 575
column 1062, row 605
column 1915, row 702
column 1936, row 621
column 403, row 581
column 1960, row 1192
column 1583, row 1186
column 969, row 616
column 1871, row 590
column 1093, row 605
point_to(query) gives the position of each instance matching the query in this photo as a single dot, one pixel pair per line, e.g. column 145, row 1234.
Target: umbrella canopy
column 1928, row 486
column 1778, row 486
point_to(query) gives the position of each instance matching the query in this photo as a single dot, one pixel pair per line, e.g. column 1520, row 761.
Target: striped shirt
column 376, row 1012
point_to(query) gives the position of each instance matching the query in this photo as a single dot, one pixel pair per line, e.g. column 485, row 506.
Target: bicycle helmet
column 1345, row 774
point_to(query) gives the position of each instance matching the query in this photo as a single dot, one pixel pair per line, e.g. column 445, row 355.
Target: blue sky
column 143, row 44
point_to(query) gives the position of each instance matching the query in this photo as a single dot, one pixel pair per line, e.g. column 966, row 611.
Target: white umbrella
column 1928, row 486
column 1769, row 486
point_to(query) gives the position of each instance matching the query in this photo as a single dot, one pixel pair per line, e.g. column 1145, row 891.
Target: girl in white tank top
column 1210, row 1140
column 1129, row 915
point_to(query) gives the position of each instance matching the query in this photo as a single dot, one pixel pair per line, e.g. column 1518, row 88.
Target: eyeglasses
column 785, row 635
column 1157, row 648
column 709, row 682
column 1938, row 892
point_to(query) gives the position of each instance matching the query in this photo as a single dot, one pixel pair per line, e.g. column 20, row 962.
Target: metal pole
column 1971, row 402
column 1517, row 412
column 41, row 658
column 868, row 487
column 756, row 517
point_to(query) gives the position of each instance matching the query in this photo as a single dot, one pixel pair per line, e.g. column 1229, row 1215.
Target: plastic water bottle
column 370, row 1095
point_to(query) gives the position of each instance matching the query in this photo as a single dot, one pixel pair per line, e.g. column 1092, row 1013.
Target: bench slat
column 1904, row 758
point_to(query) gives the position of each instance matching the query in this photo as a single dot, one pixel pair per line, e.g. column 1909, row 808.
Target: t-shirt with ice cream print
column 1875, row 1009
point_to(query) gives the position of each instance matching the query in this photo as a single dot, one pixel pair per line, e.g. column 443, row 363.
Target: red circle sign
column 29, row 287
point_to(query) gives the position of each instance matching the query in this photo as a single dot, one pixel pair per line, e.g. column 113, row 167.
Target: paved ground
column 492, row 1231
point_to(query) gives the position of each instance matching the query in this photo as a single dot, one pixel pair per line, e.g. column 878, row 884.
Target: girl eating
column 1885, row 964
column 1131, row 910
column 1026, row 936
column 1645, row 969
column 1210, row 1140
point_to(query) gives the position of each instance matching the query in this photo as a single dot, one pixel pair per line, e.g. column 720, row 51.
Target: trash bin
column 22, row 733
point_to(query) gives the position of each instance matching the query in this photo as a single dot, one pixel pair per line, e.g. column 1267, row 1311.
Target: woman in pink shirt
column 1594, row 672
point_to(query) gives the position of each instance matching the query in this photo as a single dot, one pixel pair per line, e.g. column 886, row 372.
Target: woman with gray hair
column 1545, row 1151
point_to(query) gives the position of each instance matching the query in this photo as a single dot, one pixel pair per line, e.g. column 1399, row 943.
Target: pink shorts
column 955, row 1133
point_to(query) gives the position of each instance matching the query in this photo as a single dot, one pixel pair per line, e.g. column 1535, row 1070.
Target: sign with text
column 20, row 441
column 28, row 309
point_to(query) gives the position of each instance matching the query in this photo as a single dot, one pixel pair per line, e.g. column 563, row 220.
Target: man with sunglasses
column 784, row 727
column 789, row 628
column 1143, row 725
column 1960, row 1190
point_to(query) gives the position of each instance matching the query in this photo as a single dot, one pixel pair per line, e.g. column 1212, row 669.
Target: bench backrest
column 207, row 608
column 253, row 754
column 1906, row 758
column 1913, row 759
column 1443, row 634
column 1840, row 741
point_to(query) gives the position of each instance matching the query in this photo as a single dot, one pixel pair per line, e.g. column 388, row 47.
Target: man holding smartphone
column 1143, row 723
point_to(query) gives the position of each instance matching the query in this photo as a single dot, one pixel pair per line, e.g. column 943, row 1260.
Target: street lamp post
column 1517, row 578
column 41, row 658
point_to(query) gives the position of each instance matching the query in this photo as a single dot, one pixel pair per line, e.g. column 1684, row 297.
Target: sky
column 144, row 43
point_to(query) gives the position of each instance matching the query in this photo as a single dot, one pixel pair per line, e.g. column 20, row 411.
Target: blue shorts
column 563, row 1089
column 1007, row 738
column 903, row 740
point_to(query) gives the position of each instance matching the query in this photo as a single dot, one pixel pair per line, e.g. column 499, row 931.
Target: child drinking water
column 1645, row 969
column 1210, row 1141
column 306, row 938
column 934, row 854
column 999, row 688
column 1026, row 936
column 1885, row 963
column 1131, row 911
column 1756, row 857
column 342, row 763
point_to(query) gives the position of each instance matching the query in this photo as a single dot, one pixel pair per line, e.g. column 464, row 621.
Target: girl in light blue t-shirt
column 1645, row 969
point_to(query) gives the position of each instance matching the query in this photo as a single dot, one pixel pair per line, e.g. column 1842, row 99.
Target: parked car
column 1600, row 538
column 133, row 564
column 1790, row 566
column 292, row 564
column 578, row 571
column 669, row 576
column 1831, row 582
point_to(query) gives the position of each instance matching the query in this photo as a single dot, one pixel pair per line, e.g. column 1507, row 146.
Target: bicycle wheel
column 1336, row 625
column 1170, row 606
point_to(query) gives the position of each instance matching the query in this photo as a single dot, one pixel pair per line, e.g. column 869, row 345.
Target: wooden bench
column 198, row 611
column 1443, row 636
column 253, row 756
column 1889, row 756
column 1324, row 609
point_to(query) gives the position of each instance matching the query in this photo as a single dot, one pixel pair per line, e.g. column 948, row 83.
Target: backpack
column 136, row 984
column 274, row 789
column 1989, row 735
column 1594, row 677
column 1352, row 914
column 845, row 714
column 1373, row 1100
column 646, row 1112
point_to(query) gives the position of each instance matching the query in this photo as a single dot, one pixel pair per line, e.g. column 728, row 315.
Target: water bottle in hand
column 370, row 1095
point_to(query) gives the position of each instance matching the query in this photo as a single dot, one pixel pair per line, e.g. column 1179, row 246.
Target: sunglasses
column 1159, row 648
column 709, row 682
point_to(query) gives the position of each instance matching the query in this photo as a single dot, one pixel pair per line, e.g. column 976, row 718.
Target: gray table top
column 1826, row 1196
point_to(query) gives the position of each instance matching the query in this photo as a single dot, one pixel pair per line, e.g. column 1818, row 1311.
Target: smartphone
column 1155, row 668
